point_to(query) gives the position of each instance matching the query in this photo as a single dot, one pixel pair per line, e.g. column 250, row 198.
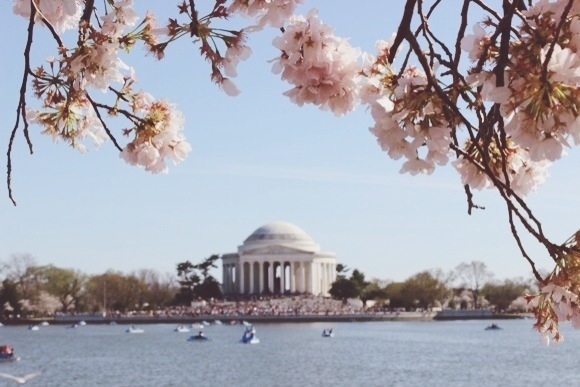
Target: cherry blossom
column 267, row 12
column 72, row 123
column 157, row 136
column 475, row 43
column 62, row 15
column 407, row 117
column 322, row 67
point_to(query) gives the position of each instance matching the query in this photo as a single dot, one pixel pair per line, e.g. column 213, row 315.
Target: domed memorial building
column 278, row 258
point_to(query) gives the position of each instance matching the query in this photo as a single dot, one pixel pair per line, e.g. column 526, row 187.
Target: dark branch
column 21, row 109
column 403, row 30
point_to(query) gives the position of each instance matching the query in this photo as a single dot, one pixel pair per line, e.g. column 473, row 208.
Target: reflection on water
column 453, row 353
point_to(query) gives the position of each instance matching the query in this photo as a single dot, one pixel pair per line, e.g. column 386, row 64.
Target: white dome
column 279, row 232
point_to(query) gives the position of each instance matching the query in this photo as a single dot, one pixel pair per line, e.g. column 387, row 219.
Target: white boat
column 205, row 323
column 249, row 336
column 181, row 329
column 44, row 324
column 246, row 324
column 82, row 323
column 33, row 327
column 217, row 322
column 197, row 326
column 134, row 329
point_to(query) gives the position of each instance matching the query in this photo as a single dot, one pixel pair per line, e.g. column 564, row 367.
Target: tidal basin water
column 451, row 353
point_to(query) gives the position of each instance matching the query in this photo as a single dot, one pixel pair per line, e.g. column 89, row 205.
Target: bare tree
column 23, row 270
column 474, row 275
column 446, row 278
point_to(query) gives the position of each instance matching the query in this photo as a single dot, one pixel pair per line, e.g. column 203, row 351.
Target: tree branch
column 403, row 30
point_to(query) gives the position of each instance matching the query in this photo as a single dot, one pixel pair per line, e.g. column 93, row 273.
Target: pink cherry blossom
column 158, row 137
column 267, row 12
column 72, row 123
column 475, row 43
column 564, row 64
column 61, row 14
column 322, row 67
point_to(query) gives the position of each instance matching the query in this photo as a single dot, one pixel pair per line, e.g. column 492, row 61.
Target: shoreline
column 233, row 319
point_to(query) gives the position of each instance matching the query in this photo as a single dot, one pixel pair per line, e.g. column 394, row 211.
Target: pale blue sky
column 256, row 158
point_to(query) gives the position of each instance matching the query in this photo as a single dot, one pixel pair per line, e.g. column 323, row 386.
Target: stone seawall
column 270, row 319
column 228, row 319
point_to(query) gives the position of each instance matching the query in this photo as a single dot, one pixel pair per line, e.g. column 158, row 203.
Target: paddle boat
column 249, row 336
column 181, row 329
column 199, row 337
column 492, row 327
column 7, row 354
column 327, row 333
column 134, row 329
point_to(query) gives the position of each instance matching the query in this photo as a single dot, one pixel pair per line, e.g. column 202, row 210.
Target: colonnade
column 278, row 277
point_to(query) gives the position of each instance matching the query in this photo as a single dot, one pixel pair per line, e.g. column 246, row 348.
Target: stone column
column 229, row 278
column 292, row 278
column 251, row 287
column 322, row 277
column 225, row 272
column 315, row 278
column 261, row 277
column 271, row 276
column 326, row 278
column 225, row 277
column 282, row 278
column 231, row 288
column 234, row 278
column 301, row 278
column 241, row 277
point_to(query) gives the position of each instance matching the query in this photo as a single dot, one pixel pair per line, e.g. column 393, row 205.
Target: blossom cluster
column 62, row 15
column 158, row 134
column 322, row 67
column 509, row 163
column 410, row 120
column 539, row 96
column 558, row 300
column 69, row 113
column 266, row 12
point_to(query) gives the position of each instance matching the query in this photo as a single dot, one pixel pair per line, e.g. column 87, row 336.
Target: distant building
column 278, row 258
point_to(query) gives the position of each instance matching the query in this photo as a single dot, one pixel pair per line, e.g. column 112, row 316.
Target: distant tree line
column 30, row 289
column 470, row 285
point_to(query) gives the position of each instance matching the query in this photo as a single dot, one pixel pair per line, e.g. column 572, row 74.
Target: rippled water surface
column 459, row 353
